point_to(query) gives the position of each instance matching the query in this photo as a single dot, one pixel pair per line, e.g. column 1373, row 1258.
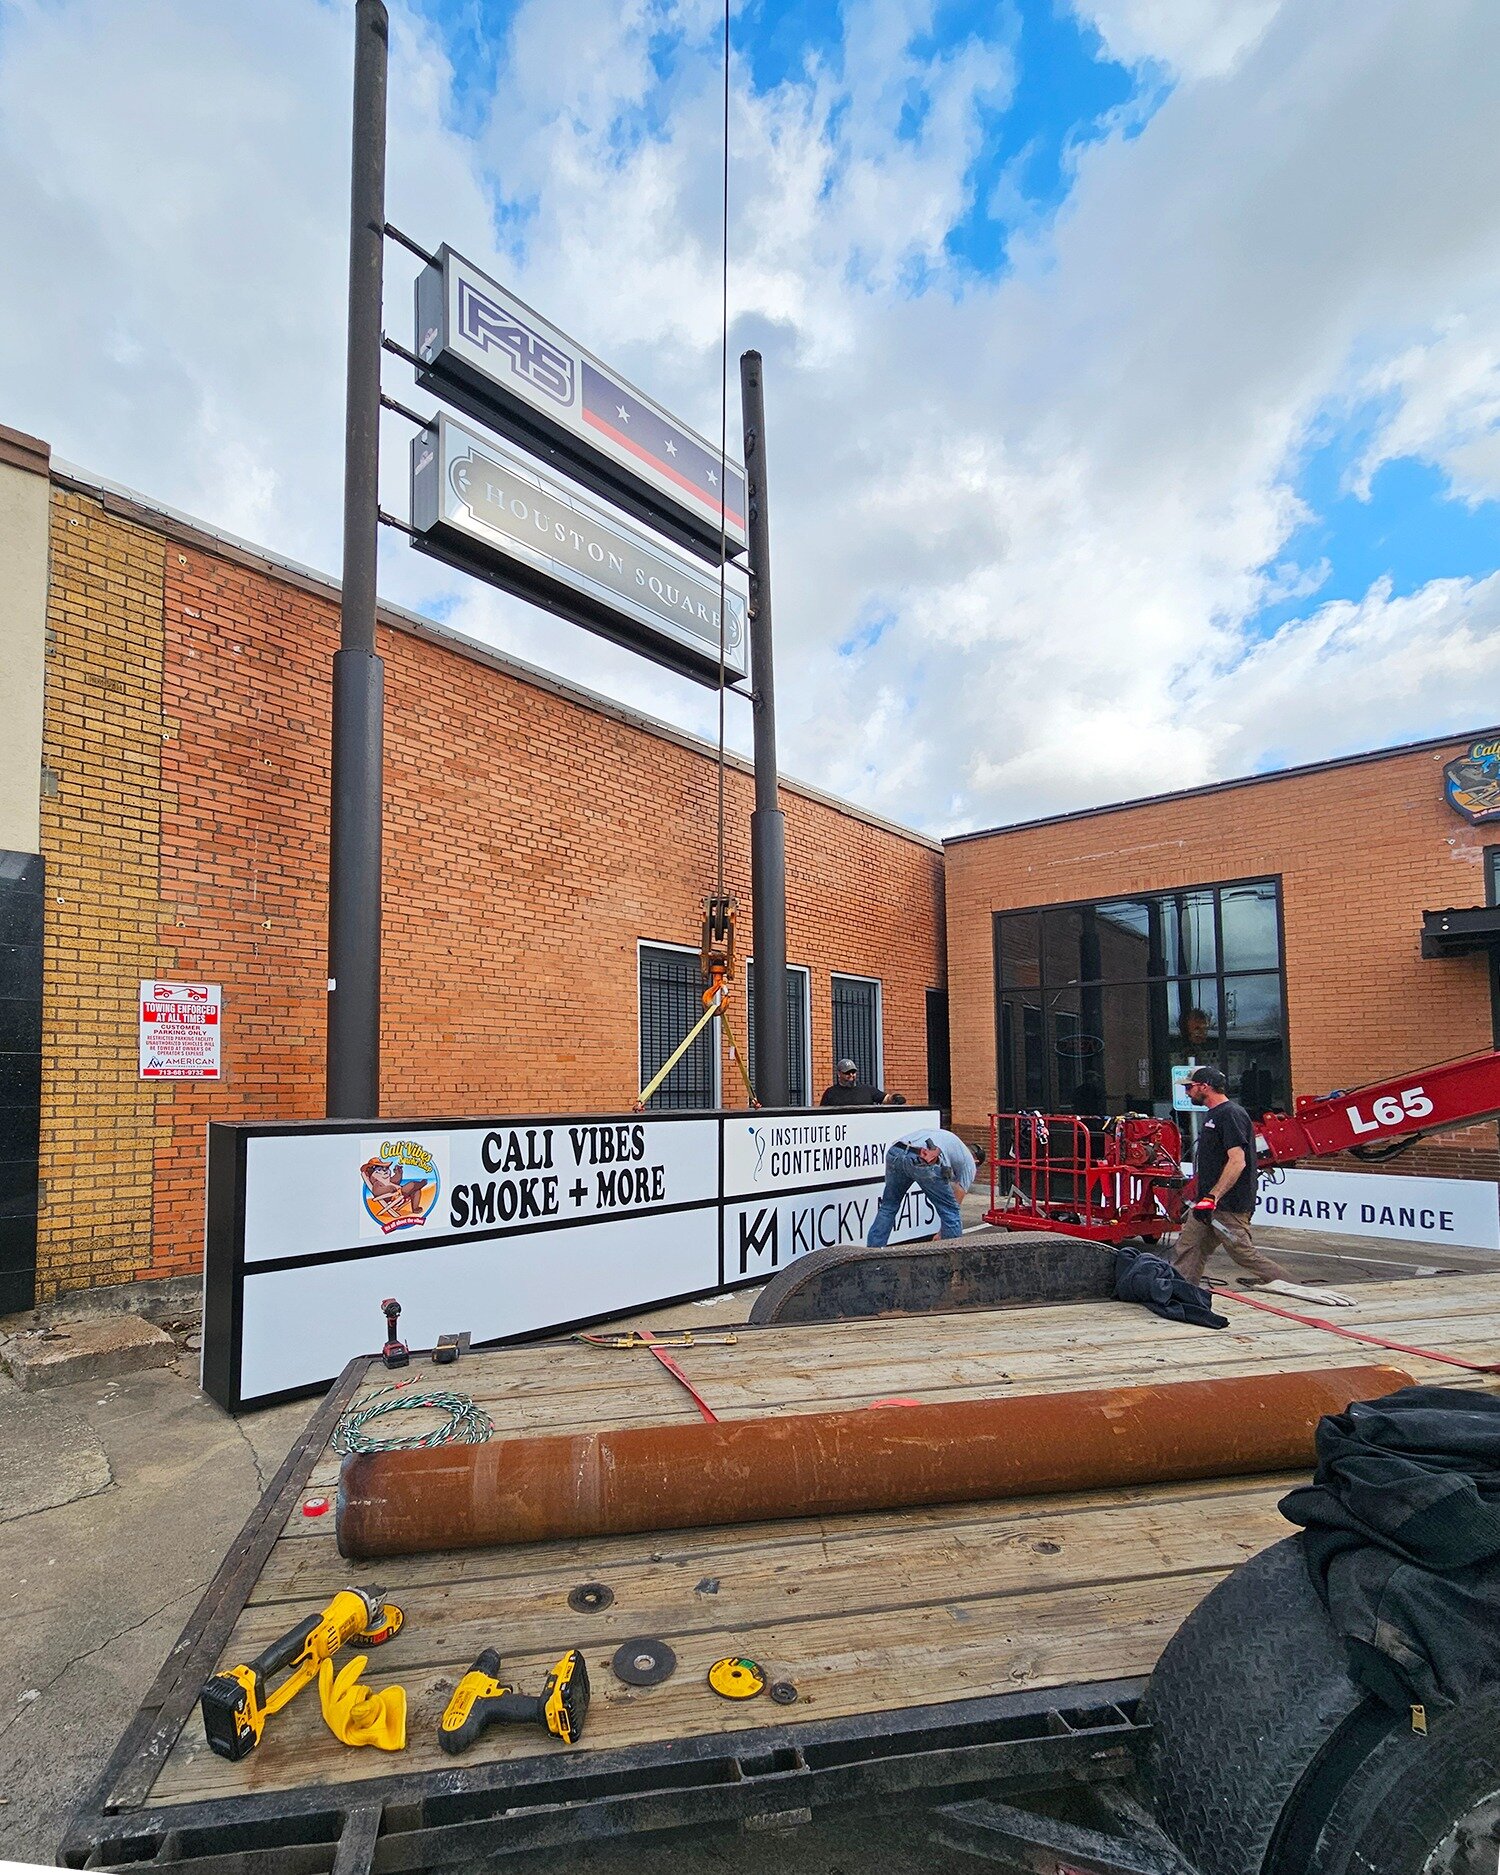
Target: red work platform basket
column 1108, row 1180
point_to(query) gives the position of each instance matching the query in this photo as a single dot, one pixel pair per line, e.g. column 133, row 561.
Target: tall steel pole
column 767, row 828
column 357, row 789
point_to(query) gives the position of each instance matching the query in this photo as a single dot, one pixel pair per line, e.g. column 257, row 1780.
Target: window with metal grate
column 797, row 978
column 856, row 1025
column 671, row 994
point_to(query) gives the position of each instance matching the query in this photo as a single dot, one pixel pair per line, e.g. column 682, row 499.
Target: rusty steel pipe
column 685, row 1476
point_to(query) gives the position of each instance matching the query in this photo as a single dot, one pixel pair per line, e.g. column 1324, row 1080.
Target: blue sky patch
column 874, row 622
column 1067, row 93
column 1411, row 529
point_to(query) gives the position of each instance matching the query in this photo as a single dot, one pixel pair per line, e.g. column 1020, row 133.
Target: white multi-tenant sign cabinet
column 512, row 1227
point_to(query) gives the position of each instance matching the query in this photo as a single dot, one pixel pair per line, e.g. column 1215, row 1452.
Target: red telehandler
column 1122, row 1178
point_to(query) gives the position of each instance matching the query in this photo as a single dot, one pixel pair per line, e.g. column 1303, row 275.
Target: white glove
column 1299, row 1292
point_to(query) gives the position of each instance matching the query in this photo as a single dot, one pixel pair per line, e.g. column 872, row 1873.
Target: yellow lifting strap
column 714, row 999
column 717, row 960
column 737, row 1055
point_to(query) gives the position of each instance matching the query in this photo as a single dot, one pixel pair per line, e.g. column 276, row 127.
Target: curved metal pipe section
column 992, row 1269
column 696, row 1474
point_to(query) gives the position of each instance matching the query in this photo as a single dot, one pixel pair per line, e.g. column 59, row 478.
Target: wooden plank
column 882, row 1564
column 861, row 1663
column 298, row 1571
column 932, row 1377
column 777, row 1365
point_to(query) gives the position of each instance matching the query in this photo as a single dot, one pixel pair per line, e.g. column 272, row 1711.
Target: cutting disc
column 734, row 1678
column 644, row 1661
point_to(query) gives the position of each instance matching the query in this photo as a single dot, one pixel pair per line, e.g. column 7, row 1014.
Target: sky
column 1132, row 366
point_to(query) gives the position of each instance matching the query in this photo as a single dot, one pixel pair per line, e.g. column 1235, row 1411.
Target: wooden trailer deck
column 864, row 1614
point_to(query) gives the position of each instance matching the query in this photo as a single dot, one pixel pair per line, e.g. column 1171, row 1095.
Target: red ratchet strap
column 677, row 1374
column 1353, row 1334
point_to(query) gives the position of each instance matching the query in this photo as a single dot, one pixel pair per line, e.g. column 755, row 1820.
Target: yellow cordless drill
column 482, row 1699
column 235, row 1703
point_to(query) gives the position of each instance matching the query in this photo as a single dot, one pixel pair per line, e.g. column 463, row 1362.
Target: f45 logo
column 492, row 328
column 1391, row 1109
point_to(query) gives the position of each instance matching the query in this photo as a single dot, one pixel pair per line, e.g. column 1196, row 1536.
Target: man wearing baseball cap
column 1224, row 1180
column 848, row 1090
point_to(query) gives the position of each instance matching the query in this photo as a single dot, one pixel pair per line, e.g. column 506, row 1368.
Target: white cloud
column 173, row 209
column 1444, row 398
column 1069, row 488
column 1443, row 642
column 1198, row 38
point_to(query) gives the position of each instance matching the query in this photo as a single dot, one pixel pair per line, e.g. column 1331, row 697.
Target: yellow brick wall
column 102, row 738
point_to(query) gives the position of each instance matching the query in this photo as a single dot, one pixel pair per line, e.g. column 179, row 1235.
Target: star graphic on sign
column 713, row 478
column 622, row 413
column 671, row 447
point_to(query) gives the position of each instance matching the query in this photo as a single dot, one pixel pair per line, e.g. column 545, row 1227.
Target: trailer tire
column 1249, row 1689
column 1384, row 1800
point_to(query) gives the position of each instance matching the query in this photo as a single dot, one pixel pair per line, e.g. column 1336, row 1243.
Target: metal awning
column 1460, row 931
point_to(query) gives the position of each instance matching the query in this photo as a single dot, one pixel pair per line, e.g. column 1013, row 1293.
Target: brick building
column 164, row 809
column 1273, row 926
column 546, row 853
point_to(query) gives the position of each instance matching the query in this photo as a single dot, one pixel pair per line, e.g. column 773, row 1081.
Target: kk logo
column 759, row 1235
column 532, row 358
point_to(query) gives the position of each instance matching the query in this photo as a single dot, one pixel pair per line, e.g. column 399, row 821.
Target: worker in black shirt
column 848, row 1090
column 1224, row 1179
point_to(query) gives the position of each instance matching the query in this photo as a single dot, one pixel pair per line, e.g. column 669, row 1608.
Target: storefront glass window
column 1193, row 1010
column 1131, row 942
column 1018, row 949
column 1102, row 1006
column 1189, row 940
column 1251, row 938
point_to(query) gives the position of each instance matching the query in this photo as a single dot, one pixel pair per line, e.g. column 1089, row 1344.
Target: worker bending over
column 941, row 1167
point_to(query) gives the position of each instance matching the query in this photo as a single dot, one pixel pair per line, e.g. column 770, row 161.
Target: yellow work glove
column 355, row 1714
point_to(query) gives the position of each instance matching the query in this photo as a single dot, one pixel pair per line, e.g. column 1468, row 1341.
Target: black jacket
column 857, row 1094
column 1150, row 1280
column 1401, row 1529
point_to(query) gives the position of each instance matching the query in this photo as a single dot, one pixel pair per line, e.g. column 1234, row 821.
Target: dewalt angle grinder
column 482, row 1699
column 235, row 1703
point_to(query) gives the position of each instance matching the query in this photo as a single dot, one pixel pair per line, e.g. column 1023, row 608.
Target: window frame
column 715, row 1028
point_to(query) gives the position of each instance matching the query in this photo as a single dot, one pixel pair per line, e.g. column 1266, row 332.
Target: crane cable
column 714, row 1003
column 723, row 449
column 737, row 1054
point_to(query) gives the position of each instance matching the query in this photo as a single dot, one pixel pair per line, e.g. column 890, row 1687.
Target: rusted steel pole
column 684, row 1476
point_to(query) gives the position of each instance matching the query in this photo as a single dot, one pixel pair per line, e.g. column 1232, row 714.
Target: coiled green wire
column 466, row 1423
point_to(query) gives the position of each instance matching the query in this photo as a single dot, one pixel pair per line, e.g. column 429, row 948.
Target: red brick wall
column 1362, row 850
column 530, row 843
